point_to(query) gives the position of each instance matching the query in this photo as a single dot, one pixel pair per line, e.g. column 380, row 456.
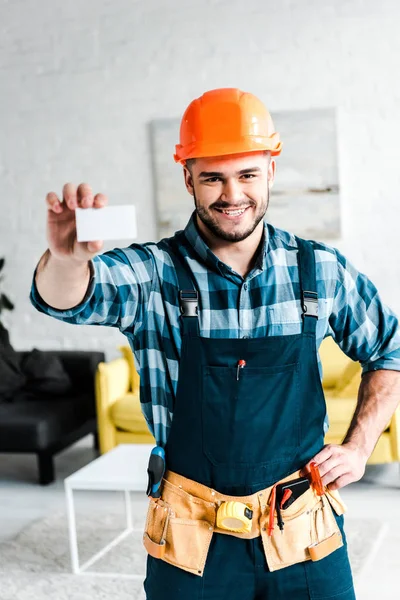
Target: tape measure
column 235, row 516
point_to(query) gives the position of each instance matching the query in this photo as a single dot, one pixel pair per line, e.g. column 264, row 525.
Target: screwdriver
column 316, row 480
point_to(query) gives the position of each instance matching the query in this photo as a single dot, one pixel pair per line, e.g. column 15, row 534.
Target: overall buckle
column 310, row 304
column 189, row 302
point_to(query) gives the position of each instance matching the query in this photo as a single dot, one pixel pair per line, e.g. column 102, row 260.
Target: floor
column 22, row 501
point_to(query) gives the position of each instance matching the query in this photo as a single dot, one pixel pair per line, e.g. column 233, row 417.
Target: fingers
column 335, row 473
column 81, row 196
column 319, row 458
column 84, row 196
column 100, row 200
column 73, row 197
column 329, row 462
column 53, row 202
column 61, row 221
column 339, row 465
column 95, row 246
column 324, row 455
column 69, row 196
column 341, row 482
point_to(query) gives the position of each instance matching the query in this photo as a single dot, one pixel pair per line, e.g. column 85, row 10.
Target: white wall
column 80, row 80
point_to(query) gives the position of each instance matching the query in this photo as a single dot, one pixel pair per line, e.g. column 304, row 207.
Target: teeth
column 234, row 212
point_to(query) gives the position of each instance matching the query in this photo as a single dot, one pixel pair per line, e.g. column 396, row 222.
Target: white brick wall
column 81, row 80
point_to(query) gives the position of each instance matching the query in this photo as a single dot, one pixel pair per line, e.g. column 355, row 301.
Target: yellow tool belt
column 180, row 524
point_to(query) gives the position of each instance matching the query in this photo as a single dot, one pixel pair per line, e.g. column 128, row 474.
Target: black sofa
column 47, row 426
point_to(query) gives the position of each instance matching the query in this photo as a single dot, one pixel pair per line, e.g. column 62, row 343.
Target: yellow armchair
column 341, row 380
column 119, row 415
column 120, row 419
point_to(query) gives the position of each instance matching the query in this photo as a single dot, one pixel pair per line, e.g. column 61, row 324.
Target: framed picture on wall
column 305, row 198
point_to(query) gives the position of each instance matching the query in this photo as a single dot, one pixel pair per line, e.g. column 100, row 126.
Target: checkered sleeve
column 117, row 293
column 365, row 328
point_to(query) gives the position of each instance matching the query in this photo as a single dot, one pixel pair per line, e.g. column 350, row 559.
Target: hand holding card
column 61, row 223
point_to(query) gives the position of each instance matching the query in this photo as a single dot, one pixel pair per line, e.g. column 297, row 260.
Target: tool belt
column 180, row 524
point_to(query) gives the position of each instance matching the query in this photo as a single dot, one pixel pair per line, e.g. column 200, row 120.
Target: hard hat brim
column 201, row 149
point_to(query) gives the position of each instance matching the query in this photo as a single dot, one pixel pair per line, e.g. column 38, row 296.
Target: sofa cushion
column 134, row 377
column 348, row 388
column 340, row 411
column 12, row 378
column 45, row 374
column 334, row 362
column 29, row 426
column 126, row 414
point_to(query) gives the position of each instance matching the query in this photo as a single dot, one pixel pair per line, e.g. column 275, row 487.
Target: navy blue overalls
column 240, row 436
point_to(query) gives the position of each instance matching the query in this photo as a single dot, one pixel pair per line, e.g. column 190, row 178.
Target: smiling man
column 232, row 199
column 225, row 320
column 237, row 186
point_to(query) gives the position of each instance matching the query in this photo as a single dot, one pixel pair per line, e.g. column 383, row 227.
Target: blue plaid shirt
column 136, row 289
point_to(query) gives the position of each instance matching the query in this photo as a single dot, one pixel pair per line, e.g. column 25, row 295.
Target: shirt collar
column 212, row 261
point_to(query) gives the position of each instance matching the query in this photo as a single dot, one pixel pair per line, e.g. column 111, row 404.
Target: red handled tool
column 241, row 364
column 316, row 480
column 286, row 495
column 272, row 506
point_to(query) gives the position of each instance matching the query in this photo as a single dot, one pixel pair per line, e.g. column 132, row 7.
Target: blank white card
column 108, row 223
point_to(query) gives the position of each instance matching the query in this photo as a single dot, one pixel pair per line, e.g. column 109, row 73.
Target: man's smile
column 232, row 214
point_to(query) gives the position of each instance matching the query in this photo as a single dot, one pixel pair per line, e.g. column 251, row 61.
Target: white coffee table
column 123, row 469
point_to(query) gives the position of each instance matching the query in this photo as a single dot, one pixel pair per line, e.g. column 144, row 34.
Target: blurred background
column 93, row 91
column 81, row 83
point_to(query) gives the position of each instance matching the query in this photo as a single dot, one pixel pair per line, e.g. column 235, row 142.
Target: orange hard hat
column 226, row 121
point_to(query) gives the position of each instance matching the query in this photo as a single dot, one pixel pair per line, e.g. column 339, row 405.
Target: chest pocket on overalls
column 253, row 419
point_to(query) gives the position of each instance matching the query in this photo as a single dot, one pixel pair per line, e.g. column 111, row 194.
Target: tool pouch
column 158, row 515
column 180, row 536
column 310, row 530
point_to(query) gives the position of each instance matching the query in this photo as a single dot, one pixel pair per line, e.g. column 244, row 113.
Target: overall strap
column 308, row 285
column 188, row 294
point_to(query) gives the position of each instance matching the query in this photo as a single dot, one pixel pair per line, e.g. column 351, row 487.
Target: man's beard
column 212, row 224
